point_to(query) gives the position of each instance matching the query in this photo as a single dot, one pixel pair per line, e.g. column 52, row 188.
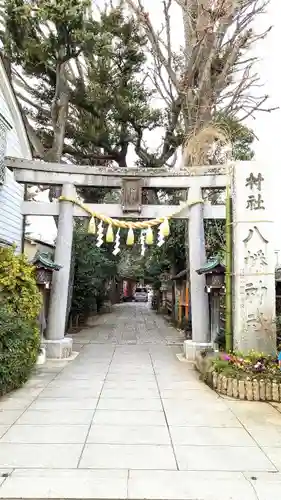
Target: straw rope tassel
column 165, row 228
column 92, row 226
column 109, row 238
column 130, row 237
column 149, row 236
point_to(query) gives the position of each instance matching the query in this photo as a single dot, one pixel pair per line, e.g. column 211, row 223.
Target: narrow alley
column 127, row 419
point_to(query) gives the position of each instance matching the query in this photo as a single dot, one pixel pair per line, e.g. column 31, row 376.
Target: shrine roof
column 211, row 265
column 44, row 259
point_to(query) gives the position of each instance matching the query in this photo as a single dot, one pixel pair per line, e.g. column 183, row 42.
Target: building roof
column 211, row 265
column 44, row 259
column 40, row 242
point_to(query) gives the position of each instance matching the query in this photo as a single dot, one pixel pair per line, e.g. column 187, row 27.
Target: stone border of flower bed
column 250, row 390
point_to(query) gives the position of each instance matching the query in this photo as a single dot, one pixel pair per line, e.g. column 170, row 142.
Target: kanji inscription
column 255, row 200
column 256, row 292
column 254, row 181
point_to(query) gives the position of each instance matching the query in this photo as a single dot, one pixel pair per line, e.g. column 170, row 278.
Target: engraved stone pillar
column 253, row 259
column 56, row 345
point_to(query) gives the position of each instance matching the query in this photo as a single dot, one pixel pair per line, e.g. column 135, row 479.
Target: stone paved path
column 126, row 419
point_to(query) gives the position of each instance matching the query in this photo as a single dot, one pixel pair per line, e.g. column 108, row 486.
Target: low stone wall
column 250, row 390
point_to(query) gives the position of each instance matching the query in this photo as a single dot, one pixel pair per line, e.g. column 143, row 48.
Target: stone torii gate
column 194, row 180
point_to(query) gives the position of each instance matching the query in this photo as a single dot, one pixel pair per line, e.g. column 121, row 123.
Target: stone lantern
column 164, row 279
column 214, row 272
column 44, row 267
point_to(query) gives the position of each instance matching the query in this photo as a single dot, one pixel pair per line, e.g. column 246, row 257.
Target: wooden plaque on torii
column 132, row 194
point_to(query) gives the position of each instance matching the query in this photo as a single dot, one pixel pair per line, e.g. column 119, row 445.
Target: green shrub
column 19, row 346
column 18, row 289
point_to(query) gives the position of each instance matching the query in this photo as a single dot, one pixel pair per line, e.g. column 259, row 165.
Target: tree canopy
column 79, row 78
column 90, row 94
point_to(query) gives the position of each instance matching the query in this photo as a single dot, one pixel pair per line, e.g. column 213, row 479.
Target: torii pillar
column 197, row 258
column 57, row 345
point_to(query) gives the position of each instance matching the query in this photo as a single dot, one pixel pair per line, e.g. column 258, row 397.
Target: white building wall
column 11, row 196
column 11, row 193
column 13, row 147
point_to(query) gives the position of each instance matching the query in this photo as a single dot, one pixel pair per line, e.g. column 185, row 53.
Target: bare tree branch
column 215, row 72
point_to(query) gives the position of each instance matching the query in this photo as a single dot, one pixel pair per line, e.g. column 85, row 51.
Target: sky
column 265, row 125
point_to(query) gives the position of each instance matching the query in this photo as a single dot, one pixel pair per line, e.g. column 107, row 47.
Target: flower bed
column 254, row 377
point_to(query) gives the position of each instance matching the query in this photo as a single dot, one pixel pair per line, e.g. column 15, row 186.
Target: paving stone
column 139, row 378
column 267, row 486
column 54, row 434
column 211, row 436
column 98, row 374
column 131, row 367
column 130, row 404
column 116, row 417
column 64, row 404
column 8, row 417
column 274, row 455
column 255, row 414
column 3, row 429
column 129, row 434
column 66, row 484
column 179, row 385
column 76, row 385
column 18, row 455
column 24, row 393
column 189, row 394
column 115, row 456
column 130, row 384
column 202, row 419
column 142, row 392
column 179, row 485
column 223, row 458
column 62, row 392
column 4, row 473
column 8, row 403
column 270, row 437
column 195, row 406
column 56, row 417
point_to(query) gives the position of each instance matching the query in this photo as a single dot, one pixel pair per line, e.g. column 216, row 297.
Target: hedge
column 20, row 303
column 19, row 345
